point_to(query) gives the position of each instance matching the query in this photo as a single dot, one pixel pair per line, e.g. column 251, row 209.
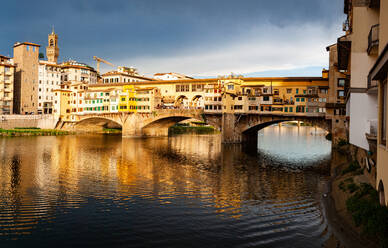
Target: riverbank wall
column 349, row 174
column 25, row 121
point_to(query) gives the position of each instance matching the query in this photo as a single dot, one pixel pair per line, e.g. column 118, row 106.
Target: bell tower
column 52, row 50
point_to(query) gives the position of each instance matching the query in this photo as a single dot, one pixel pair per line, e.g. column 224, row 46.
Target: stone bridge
column 133, row 124
column 235, row 128
column 243, row 128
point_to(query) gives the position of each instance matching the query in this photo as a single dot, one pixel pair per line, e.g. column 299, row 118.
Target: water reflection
column 302, row 146
column 183, row 191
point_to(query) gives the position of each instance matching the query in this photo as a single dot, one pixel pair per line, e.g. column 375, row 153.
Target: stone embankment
column 350, row 196
column 28, row 121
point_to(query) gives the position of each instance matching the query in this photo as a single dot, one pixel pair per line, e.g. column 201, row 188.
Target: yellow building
column 127, row 101
column 62, row 104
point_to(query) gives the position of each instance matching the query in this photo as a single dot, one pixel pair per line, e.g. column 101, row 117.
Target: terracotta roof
column 43, row 62
column 78, row 66
column 104, row 90
column 285, row 79
column 212, row 80
column 147, row 88
column 113, row 73
column 4, row 57
column 172, row 73
column 253, row 86
column 26, row 43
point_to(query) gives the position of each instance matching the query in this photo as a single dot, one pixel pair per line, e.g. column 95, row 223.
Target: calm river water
column 182, row 191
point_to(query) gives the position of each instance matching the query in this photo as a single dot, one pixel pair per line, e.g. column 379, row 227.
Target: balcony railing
column 373, row 39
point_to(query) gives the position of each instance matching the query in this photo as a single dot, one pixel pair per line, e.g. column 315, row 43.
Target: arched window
column 51, row 42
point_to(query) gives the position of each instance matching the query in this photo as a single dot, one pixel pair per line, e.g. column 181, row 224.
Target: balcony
column 373, row 40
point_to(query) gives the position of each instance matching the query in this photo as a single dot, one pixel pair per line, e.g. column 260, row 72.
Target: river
column 181, row 191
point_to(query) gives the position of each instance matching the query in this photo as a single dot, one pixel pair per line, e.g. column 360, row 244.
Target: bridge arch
column 258, row 126
column 197, row 101
column 95, row 123
column 180, row 101
column 244, row 127
column 157, row 125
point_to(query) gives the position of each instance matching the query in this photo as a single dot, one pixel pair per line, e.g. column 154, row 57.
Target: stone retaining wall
column 40, row 121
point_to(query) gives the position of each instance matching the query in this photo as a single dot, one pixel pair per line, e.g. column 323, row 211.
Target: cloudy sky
column 195, row 37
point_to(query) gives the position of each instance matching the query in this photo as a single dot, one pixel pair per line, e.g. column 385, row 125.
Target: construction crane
column 98, row 60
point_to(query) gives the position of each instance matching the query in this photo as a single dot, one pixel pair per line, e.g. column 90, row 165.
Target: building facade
column 26, row 59
column 379, row 76
column 50, row 75
column 358, row 51
column 123, row 75
column 7, row 71
column 279, row 96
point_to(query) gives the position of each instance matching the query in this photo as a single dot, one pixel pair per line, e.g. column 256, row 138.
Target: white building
column 78, row 72
column 49, row 79
column 170, row 76
column 123, row 75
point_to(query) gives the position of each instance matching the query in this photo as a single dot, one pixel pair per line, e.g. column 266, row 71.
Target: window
column 286, row 109
column 297, row 91
column 289, row 91
column 265, row 98
column 341, row 82
column 302, row 99
column 297, row 99
column 291, row 109
column 383, row 113
column 230, row 87
column 340, row 93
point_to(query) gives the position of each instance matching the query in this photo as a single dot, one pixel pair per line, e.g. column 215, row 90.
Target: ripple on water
column 186, row 191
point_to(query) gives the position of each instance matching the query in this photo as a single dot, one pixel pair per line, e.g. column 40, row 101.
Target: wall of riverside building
column 39, row 121
column 383, row 29
column 363, row 108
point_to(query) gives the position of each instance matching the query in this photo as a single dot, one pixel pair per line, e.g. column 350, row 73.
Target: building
column 123, row 75
column 50, row 75
column 52, row 50
column 339, row 82
column 26, row 59
column 170, row 76
column 69, row 100
column 378, row 76
column 73, row 71
column 303, row 96
column 7, row 71
column 357, row 53
column 148, row 99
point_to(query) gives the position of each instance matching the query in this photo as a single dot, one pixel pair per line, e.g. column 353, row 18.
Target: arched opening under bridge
column 96, row 124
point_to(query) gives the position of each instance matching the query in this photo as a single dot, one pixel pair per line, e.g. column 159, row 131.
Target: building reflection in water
column 43, row 175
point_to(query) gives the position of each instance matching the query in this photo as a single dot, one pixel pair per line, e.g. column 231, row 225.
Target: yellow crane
column 98, row 60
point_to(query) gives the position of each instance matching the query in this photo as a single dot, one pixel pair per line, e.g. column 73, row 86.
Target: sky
column 200, row 38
